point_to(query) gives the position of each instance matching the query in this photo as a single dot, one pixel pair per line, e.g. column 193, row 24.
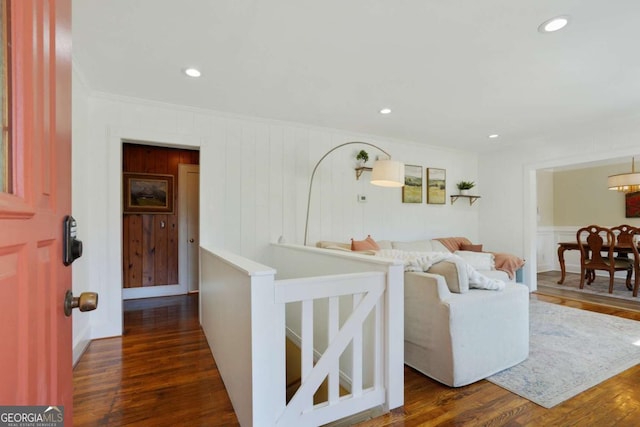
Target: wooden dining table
column 573, row 246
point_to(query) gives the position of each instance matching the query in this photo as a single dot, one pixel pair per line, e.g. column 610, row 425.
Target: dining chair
column 626, row 243
column 597, row 252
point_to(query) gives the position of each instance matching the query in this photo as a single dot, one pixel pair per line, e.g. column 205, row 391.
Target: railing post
column 268, row 352
column 394, row 337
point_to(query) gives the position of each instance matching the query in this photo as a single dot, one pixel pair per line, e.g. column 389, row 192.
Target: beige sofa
column 455, row 334
column 460, row 338
column 485, row 262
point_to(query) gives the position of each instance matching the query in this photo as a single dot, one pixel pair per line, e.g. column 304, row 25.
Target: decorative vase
column 464, row 192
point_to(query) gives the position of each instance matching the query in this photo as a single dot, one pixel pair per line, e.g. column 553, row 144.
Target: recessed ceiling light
column 385, row 111
column 554, row 24
column 192, row 72
column 494, row 136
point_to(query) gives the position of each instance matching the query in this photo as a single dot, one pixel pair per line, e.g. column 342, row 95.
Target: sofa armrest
column 425, row 305
column 425, row 286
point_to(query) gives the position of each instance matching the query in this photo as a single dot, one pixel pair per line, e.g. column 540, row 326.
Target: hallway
column 160, row 372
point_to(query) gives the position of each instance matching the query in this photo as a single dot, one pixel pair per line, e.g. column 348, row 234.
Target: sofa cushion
column 454, row 274
column 478, row 260
column 420, row 246
column 384, row 244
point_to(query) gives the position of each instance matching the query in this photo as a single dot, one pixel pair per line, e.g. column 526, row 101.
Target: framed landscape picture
column 412, row 190
column 436, row 186
column 147, row 193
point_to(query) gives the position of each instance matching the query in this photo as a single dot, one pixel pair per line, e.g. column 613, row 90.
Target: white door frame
column 529, row 187
column 183, row 238
column 160, row 290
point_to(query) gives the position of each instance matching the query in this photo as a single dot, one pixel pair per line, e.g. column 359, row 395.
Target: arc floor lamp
column 385, row 173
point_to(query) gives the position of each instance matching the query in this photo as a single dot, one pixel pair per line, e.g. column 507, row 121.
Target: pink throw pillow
column 472, row 248
column 367, row 244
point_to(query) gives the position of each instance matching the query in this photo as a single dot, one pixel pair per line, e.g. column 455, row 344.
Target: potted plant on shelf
column 465, row 186
column 362, row 157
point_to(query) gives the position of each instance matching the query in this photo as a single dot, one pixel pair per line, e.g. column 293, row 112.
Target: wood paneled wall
column 150, row 241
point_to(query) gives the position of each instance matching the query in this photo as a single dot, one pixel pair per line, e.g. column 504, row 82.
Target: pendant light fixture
column 625, row 182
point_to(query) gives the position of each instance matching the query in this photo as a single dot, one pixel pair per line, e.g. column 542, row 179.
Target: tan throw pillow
column 367, row 244
column 454, row 273
column 471, row 248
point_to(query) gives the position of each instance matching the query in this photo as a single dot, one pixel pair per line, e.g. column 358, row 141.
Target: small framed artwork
column 412, row 190
column 436, row 186
column 632, row 204
column 146, row 193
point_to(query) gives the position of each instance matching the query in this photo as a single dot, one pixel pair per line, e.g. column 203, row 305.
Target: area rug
column 570, row 350
column 599, row 287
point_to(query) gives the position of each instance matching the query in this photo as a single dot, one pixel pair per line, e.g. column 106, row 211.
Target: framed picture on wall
column 436, row 186
column 412, row 190
column 632, row 204
column 147, row 193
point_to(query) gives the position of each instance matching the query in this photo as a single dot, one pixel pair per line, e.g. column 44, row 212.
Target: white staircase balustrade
column 348, row 326
column 368, row 289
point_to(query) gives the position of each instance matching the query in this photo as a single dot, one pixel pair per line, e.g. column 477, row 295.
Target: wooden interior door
column 35, row 360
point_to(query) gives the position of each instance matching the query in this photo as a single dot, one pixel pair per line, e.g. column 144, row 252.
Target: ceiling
column 452, row 71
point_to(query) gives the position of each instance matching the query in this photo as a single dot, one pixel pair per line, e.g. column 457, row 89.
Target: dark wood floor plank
column 161, row 372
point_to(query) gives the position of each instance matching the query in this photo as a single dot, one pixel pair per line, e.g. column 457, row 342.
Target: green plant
column 363, row 155
column 465, row 185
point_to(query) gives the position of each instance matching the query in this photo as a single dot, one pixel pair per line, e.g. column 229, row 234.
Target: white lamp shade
column 388, row 173
column 624, row 181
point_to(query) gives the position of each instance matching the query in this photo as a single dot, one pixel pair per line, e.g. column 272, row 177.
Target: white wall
column 508, row 177
column 545, row 207
column 254, row 182
column 582, row 197
column 80, row 209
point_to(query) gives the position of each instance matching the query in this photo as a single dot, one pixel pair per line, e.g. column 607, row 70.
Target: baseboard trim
column 153, row 291
column 78, row 350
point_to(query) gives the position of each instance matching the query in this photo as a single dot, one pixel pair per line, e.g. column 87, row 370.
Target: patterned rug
column 600, row 285
column 570, row 351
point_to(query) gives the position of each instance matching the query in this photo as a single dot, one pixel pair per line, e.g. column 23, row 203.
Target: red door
column 35, row 335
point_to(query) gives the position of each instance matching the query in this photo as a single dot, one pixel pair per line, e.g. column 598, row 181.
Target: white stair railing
column 358, row 314
column 366, row 291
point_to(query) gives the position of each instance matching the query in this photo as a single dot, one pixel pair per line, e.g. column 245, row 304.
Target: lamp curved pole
column 313, row 174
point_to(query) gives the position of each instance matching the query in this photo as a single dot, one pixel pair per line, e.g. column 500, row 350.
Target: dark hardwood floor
column 161, row 372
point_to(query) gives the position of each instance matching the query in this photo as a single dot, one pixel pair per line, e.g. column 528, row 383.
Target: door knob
column 87, row 301
column 191, row 240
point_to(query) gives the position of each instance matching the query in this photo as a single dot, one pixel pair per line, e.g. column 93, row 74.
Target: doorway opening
column 567, row 197
column 159, row 220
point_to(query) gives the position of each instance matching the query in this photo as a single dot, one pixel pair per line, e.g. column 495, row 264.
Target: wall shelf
column 472, row 199
column 360, row 170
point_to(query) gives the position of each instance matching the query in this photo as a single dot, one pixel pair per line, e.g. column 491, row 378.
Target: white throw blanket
column 422, row 261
